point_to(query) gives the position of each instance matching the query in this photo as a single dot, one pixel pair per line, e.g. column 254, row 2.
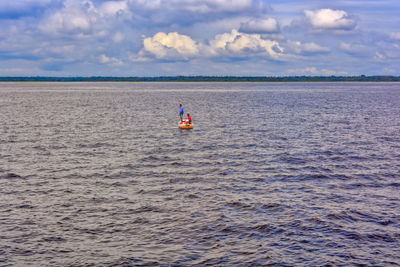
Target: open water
column 285, row 174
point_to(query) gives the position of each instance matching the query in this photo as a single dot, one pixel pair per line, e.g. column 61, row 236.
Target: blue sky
column 193, row 37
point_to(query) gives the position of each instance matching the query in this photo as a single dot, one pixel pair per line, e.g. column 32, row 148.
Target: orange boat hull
column 185, row 125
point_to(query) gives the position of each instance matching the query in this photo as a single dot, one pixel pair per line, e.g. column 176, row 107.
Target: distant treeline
column 361, row 78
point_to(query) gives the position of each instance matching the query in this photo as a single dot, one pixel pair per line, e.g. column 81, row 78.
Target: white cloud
column 389, row 70
column 118, row 37
column 308, row 70
column 59, row 50
column 387, row 52
column 315, row 48
column 110, row 60
column 189, row 12
column 268, row 25
column 236, row 44
column 353, row 48
column 386, row 56
column 315, row 71
column 147, row 4
column 75, row 17
column 329, row 19
column 174, row 46
column 171, row 46
column 395, row 36
column 114, row 8
column 307, row 48
column 212, row 6
column 94, row 35
column 380, row 57
column 83, row 18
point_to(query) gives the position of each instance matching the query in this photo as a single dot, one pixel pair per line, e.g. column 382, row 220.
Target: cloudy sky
column 199, row 37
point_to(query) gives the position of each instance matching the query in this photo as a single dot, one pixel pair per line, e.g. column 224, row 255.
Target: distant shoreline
column 361, row 78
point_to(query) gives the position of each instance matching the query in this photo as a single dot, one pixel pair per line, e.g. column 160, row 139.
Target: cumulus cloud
column 51, row 34
column 114, row 8
column 315, row 48
column 211, row 6
column 329, row 19
column 353, row 48
column 110, row 60
column 268, row 25
column 174, row 46
column 307, row 48
column 189, row 12
column 387, row 55
column 75, row 17
column 203, row 6
column 83, row 18
column 387, row 52
column 236, row 44
column 170, row 46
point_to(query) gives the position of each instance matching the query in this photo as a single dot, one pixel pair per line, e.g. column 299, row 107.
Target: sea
column 272, row 174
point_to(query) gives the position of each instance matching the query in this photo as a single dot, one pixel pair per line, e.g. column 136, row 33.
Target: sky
column 199, row 37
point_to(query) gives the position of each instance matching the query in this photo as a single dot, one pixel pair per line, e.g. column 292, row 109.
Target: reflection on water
column 273, row 173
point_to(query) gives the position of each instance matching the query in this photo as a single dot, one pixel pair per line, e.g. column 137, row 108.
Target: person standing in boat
column 189, row 119
column 181, row 111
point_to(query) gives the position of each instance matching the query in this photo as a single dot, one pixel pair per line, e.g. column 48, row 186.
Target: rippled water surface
column 290, row 174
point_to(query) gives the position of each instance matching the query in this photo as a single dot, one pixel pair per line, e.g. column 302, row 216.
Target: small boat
column 185, row 124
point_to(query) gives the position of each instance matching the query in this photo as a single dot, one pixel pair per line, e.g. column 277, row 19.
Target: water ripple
column 298, row 174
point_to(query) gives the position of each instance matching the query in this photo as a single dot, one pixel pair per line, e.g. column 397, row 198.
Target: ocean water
column 285, row 174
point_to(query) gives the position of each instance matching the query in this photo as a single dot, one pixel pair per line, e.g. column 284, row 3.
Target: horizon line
column 202, row 78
